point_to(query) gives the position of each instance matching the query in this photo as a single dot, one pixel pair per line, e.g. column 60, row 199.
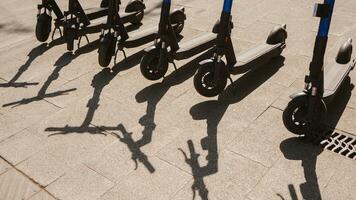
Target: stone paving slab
column 72, row 130
column 14, row 185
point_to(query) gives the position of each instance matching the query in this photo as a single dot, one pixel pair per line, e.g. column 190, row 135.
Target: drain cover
column 341, row 144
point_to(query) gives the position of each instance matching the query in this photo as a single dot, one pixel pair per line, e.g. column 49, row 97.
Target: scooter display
column 77, row 22
column 114, row 36
column 166, row 49
column 306, row 112
column 211, row 77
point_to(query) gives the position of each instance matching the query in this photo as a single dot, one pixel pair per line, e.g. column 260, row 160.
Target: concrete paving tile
column 301, row 173
column 113, row 162
column 14, row 185
column 235, row 177
column 10, row 125
column 260, row 139
column 42, row 195
column 140, row 184
column 4, row 166
column 44, row 168
column 342, row 183
column 80, row 183
column 20, row 147
column 24, row 117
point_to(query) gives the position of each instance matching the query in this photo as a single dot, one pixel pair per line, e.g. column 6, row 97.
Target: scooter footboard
column 257, row 56
column 196, row 46
column 141, row 37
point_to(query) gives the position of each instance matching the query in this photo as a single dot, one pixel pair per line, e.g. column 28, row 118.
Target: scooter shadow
column 213, row 111
column 337, row 107
column 32, row 56
column 62, row 61
column 296, row 149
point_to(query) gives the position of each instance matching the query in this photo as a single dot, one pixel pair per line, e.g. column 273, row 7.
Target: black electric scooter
column 154, row 63
column 82, row 25
column 306, row 112
column 114, row 29
column 78, row 22
column 211, row 77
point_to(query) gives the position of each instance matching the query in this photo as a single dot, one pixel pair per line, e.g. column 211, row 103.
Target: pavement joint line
column 99, row 173
column 180, row 189
column 26, row 176
column 57, row 106
column 173, row 165
column 259, row 181
column 276, row 108
column 13, row 135
column 255, row 161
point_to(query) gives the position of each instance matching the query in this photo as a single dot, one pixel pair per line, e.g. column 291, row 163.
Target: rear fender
column 277, row 35
column 345, row 52
column 178, row 16
column 135, row 6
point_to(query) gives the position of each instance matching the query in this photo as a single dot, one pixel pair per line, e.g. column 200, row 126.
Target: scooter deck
column 334, row 76
column 93, row 13
column 256, row 56
column 96, row 25
column 141, row 37
column 195, row 46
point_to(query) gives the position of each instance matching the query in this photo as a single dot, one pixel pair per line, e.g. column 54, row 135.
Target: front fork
column 315, row 81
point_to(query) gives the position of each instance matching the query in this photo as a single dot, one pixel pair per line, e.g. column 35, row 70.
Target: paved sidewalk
column 72, row 130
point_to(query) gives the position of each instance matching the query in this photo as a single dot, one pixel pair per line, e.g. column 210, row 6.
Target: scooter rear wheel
column 106, row 51
column 150, row 67
column 204, row 82
column 43, row 27
column 295, row 115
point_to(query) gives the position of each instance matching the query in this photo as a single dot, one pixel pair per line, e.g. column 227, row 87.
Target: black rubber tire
column 294, row 115
column 149, row 66
column 203, row 82
column 106, row 51
column 138, row 18
column 43, row 27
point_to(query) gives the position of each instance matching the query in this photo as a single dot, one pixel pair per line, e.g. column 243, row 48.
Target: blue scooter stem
column 325, row 22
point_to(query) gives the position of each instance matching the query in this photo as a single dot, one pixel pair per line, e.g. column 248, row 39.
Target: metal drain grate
column 341, row 144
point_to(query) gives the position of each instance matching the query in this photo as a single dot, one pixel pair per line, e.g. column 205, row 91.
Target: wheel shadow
column 299, row 148
column 213, row 111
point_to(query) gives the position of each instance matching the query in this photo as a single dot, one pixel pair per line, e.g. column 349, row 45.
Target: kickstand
column 174, row 65
column 120, row 48
column 54, row 31
column 230, row 79
column 80, row 39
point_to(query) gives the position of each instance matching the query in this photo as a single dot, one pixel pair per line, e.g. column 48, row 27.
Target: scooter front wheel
column 106, row 51
column 150, row 66
column 295, row 115
column 205, row 84
column 43, row 27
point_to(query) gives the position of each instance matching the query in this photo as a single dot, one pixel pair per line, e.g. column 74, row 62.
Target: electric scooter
column 166, row 49
column 211, row 77
column 114, row 29
column 306, row 112
column 78, row 18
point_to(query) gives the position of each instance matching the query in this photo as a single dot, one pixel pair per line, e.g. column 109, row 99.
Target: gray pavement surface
column 74, row 131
